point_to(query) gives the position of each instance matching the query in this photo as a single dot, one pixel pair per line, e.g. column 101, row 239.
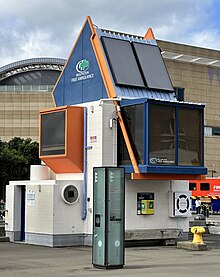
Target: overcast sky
column 48, row 28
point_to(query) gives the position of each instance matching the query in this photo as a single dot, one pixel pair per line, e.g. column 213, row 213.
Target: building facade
column 25, row 88
column 115, row 108
column 195, row 72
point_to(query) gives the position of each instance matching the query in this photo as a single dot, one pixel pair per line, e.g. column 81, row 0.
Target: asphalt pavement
column 21, row 260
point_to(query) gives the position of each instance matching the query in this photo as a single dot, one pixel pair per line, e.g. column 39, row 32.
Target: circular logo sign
column 153, row 160
column 82, row 66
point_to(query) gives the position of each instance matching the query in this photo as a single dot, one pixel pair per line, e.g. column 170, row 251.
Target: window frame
column 197, row 169
column 177, row 106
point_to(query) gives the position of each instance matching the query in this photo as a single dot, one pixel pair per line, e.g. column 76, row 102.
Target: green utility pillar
column 108, row 217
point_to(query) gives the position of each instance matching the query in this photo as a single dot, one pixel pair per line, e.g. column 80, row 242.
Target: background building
column 25, row 88
column 195, row 72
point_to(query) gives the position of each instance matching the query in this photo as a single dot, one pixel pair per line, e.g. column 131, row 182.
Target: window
column 208, row 131
column 192, row 186
column 52, row 133
column 204, row 186
column 162, row 133
column 215, row 131
column 179, row 94
column 166, row 145
column 189, row 137
column 212, row 131
column 161, row 136
column 134, row 121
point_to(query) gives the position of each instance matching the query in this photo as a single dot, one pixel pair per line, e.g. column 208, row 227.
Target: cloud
column 49, row 28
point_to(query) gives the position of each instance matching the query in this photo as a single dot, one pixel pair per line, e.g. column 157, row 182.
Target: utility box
column 108, row 217
column 145, row 203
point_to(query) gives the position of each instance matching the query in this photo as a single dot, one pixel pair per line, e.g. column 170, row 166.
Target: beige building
column 197, row 71
column 25, row 88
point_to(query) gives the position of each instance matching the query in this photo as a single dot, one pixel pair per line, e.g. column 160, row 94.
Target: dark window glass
column 192, row 186
column 53, row 133
column 162, row 135
column 215, row 131
column 152, row 66
column 189, row 137
column 204, row 186
column 179, row 94
column 134, row 121
column 122, row 62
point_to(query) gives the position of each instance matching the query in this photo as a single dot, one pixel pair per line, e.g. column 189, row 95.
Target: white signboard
column 31, row 197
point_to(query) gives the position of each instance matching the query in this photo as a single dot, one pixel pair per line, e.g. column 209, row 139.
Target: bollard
column 198, row 231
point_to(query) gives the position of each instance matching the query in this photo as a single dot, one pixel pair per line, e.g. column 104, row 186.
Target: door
column 23, row 189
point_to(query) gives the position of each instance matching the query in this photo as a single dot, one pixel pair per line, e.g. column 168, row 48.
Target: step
column 4, row 239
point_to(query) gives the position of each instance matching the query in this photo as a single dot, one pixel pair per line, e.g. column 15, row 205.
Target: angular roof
column 106, row 63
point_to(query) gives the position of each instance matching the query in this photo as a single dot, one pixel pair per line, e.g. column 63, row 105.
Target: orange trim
column 152, row 176
column 71, row 52
column 149, row 34
column 53, row 109
column 101, row 61
column 110, row 89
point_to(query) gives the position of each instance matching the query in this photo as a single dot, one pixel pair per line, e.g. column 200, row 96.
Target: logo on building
column 82, row 66
column 164, row 160
column 153, row 160
column 83, row 73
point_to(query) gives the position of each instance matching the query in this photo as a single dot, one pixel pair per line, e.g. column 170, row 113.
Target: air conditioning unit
column 179, row 204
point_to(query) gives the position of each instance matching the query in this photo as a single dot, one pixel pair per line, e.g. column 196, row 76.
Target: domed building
column 25, row 88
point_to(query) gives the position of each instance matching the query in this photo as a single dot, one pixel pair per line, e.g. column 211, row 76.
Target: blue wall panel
column 81, row 80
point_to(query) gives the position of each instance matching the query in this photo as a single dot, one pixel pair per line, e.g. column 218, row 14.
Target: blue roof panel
column 131, row 92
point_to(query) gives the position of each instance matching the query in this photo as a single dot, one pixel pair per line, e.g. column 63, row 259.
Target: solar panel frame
column 152, row 66
column 122, row 62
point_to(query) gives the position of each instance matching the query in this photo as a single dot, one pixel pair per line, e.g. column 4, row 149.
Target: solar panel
column 122, row 62
column 152, row 66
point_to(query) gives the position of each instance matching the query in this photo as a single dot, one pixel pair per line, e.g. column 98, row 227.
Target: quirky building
column 114, row 106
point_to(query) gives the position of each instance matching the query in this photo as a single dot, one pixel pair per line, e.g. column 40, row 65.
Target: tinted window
column 122, row 62
column 152, row 66
column 134, row 121
column 52, row 133
column 162, row 135
column 204, row 186
column 179, row 94
column 216, row 131
column 189, row 137
column 192, row 186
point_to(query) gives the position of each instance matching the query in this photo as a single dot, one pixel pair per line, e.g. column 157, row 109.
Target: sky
column 49, row 28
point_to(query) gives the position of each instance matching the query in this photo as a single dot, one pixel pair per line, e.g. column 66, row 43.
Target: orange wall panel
column 72, row 160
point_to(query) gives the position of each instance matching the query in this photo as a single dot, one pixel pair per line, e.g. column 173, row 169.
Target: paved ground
column 23, row 260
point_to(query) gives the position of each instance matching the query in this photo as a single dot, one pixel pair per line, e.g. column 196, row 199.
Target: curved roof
column 29, row 65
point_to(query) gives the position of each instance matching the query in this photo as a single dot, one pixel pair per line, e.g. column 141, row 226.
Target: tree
column 16, row 156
